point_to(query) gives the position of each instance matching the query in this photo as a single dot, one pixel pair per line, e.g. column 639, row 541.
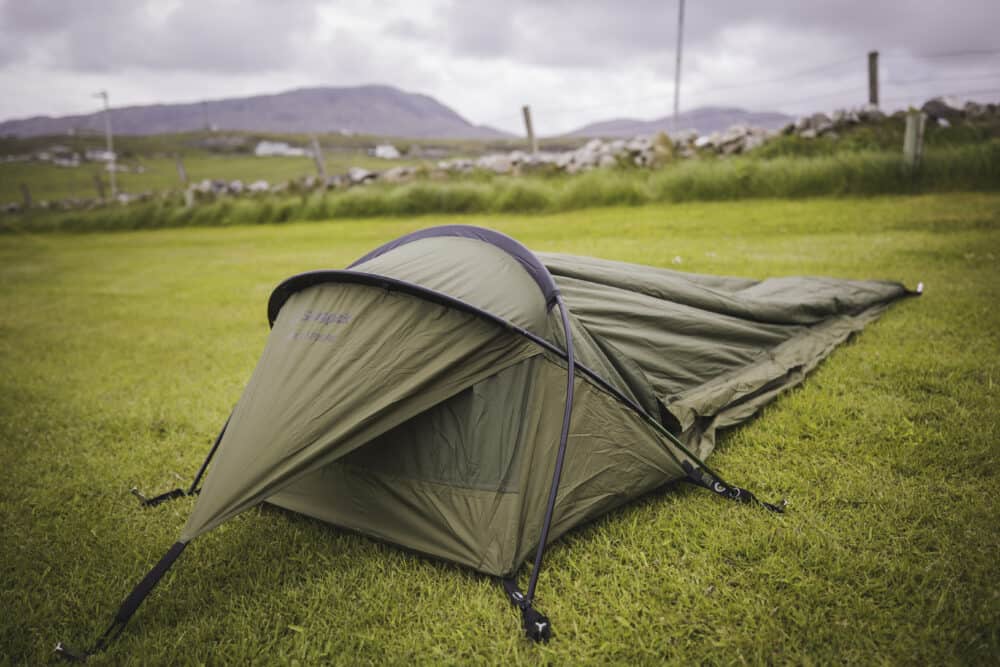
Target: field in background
column 863, row 159
column 224, row 155
column 950, row 169
column 123, row 353
column 160, row 173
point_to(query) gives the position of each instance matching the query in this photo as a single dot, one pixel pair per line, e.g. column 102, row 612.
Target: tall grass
column 966, row 168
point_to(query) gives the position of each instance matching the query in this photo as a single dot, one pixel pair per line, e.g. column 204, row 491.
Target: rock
column 942, row 107
column 975, row 110
column 870, row 112
column 398, row 174
column 607, row 161
column 685, row 138
column 638, row 144
column 754, row 141
column 732, row 148
column 359, row 176
column 734, row 134
column 821, row 123
column 497, row 163
column 703, row 142
column 808, row 134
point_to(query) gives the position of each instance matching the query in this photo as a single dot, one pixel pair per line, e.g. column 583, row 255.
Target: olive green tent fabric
column 467, row 481
column 469, row 270
column 343, row 364
column 385, row 409
column 713, row 350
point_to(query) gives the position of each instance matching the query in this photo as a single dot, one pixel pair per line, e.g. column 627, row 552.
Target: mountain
column 379, row 110
column 703, row 119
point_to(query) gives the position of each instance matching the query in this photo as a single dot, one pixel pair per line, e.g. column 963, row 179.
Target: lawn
column 122, row 353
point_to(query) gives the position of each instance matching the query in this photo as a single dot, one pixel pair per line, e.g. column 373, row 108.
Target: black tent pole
column 211, row 453
column 536, row 625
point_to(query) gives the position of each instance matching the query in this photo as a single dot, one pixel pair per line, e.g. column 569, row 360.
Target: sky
column 573, row 61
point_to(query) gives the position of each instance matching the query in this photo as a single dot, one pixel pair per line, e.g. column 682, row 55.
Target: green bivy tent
column 456, row 394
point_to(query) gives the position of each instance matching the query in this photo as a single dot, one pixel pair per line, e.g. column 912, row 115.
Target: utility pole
column 111, row 146
column 677, row 66
column 873, row 78
column 529, row 129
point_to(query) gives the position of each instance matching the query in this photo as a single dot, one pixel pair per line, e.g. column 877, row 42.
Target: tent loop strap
column 162, row 498
column 728, row 491
column 193, row 490
column 536, row 624
column 127, row 609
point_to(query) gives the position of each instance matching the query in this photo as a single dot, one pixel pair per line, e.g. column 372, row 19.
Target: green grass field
column 51, row 183
column 122, row 353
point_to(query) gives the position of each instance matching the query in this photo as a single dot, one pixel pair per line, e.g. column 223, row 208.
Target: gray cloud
column 575, row 60
column 210, row 35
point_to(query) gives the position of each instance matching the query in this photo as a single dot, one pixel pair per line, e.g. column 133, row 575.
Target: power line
column 665, row 96
column 989, row 91
column 789, row 77
column 912, row 82
column 951, row 54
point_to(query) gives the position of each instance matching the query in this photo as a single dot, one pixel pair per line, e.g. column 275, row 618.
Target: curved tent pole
column 536, row 625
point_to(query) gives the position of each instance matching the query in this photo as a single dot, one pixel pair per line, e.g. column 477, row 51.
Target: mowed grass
column 122, row 354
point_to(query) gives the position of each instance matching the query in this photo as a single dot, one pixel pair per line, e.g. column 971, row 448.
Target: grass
column 121, row 355
column 858, row 174
column 51, row 183
column 226, row 155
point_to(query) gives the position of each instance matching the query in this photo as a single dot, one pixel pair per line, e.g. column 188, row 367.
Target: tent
column 454, row 393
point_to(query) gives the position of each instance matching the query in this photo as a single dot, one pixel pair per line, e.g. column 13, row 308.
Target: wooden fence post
column 318, row 157
column 181, row 171
column 913, row 138
column 99, row 185
column 26, row 196
column 532, row 141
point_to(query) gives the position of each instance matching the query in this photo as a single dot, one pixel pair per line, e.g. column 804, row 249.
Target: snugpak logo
column 323, row 319
column 326, row 317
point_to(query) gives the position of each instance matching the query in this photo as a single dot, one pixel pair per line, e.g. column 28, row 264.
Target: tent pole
column 211, row 454
column 563, row 438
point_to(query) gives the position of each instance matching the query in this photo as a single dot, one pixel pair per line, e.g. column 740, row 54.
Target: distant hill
column 379, row 110
column 703, row 119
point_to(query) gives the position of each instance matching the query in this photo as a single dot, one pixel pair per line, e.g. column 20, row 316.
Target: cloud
column 221, row 36
column 574, row 61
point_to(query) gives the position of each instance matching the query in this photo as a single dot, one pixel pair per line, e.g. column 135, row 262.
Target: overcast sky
column 573, row 61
